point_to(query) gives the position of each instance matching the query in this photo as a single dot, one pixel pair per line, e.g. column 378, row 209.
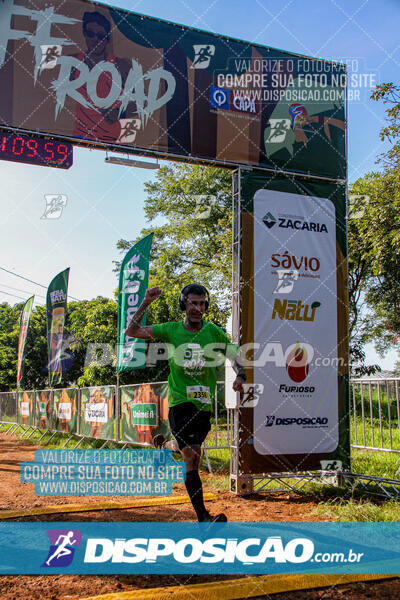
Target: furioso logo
column 62, row 547
column 298, row 363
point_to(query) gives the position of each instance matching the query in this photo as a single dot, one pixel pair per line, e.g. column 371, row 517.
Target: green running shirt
column 190, row 379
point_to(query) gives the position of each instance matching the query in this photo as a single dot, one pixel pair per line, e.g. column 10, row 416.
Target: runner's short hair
column 193, row 288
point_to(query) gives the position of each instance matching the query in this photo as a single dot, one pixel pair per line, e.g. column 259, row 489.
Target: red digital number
column 49, row 150
column 32, row 145
column 14, row 149
column 3, row 143
column 63, row 150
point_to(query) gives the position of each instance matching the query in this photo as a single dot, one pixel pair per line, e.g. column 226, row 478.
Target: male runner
column 191, row 382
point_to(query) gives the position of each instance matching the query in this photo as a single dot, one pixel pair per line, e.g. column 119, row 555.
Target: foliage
column 192, row 244
column 374, row 259
column 389, row 93
column 189, row 210
column 374, row 241
column 89, row 322
column 9, row 333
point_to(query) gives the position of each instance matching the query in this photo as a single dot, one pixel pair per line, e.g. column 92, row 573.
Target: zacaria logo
column 298, row 363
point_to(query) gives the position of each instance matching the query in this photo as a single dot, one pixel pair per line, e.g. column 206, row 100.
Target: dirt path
column 17, row 495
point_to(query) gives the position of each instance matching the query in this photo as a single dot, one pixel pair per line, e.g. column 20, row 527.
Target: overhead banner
column 56, row 306
column 109, row 77
column 23, row 334
column 294, row 317
column 133, row 282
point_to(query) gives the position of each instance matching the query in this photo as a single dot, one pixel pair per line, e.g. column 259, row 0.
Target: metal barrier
column 133, row 414
column 130, row 414
column 375, row 422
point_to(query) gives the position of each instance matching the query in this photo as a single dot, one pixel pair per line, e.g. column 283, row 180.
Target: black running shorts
column 189, row 425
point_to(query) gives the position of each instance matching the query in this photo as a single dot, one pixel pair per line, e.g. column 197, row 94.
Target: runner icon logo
column 251, row 394
column 203, row 54
column 62, row 547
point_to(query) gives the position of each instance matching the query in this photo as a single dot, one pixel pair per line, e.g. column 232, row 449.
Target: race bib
column 198, row 392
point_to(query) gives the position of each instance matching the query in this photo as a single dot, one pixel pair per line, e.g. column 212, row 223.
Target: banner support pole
column 117, row 405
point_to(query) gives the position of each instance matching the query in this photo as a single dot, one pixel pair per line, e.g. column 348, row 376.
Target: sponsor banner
column 43, row 409
column 65, row 409
column 299, row 414
column 144, row 412
column 248, row 548
column 26, row 408
column 97, row 412
column 103, row 76
column 23, row 334
column 293, row 320
column 56, row 307
column 133, row 282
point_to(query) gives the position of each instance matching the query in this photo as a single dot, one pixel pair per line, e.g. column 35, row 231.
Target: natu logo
column 294, row 310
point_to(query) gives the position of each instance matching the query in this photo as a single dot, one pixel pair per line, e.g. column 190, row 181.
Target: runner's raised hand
column 152, row 294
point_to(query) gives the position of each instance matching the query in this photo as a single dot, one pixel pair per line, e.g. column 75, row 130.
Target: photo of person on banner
column 65, row 403
column 97, row 410
column 102, row 124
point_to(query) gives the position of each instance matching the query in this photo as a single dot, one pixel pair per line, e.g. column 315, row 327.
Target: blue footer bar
column 248, row 548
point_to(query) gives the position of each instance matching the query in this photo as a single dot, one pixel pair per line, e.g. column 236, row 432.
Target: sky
column 104, row 202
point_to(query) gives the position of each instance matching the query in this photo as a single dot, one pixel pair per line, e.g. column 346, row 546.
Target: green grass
column 360, row 510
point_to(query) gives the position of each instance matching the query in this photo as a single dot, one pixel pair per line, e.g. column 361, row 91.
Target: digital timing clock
column 35, row 150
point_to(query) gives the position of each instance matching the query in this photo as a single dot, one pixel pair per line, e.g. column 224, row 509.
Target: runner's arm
column 134, row 328
column 233, row 352
column 238, row 368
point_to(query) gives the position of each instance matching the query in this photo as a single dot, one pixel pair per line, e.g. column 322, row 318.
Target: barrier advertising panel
column 65, row 410
column 43, row 409
column 97, row 412
column 26, row 407
column 144, row 412
column 8, row 407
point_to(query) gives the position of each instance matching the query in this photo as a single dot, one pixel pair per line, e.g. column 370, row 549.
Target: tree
column 9, row 316
column 194, row 241
column 374, row 260
column 89, row 322
column 389, row 93
column 374, row 240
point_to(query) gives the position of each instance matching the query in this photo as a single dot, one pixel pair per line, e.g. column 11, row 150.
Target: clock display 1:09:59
column 35, row 150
